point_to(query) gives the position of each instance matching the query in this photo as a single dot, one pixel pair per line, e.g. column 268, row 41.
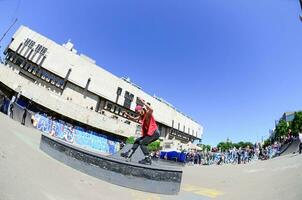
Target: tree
column 281, row 128
column 204, row 147
column 223, row 146
column 130, row 140
column 296, row 124
column 267, row 142
column 241, row 144
column 248, row 144
column 154, row 146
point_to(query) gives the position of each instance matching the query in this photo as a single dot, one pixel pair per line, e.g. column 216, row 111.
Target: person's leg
column 23, row 119
column 144, row 143
column 300, row 148
column 147, row 140
column 131, row 151
column 11, row 113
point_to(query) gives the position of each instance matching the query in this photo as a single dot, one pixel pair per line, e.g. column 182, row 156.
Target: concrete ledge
column 155, row 179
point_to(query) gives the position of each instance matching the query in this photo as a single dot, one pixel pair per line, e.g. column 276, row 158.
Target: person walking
column 150, row 131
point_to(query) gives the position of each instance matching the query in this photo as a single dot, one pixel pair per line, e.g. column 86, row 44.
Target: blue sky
column 234, row 66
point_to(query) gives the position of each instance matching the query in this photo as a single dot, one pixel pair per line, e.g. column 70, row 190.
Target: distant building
column 71, row 84
column 288, row 116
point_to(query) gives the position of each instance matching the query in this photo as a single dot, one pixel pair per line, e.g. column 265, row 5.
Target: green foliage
column 281, row 128
column 296, row 124
column 223, row 146
column 204, row 147
column 267, row 142
column 154, row 146
column 241, row 144
column 249, row 144
column 130, row 140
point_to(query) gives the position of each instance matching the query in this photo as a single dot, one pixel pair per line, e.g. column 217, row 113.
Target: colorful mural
column 76, row 135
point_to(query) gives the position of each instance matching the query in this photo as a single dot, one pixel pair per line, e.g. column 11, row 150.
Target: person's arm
column 148, row 107
column 130, row 117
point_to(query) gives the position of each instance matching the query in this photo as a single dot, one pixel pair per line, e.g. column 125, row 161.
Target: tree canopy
column 281, row 128
column 296, row 124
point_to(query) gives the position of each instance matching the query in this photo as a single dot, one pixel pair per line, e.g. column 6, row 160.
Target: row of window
column 39, row 48
column 35, row 70
column 184, row 129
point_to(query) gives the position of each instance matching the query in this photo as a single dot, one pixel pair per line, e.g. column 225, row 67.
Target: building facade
column 58, row 78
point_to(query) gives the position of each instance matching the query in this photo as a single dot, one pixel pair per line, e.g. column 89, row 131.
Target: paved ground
column 28, row 173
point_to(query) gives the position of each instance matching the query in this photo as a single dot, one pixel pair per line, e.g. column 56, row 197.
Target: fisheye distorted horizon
column 233, row 66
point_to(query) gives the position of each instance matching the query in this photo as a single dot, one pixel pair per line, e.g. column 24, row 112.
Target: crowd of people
column 234, row 155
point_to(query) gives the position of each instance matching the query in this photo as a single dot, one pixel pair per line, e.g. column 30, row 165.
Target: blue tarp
column 173, row 155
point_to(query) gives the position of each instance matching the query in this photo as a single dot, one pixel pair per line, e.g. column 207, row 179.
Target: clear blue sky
column 234, row 66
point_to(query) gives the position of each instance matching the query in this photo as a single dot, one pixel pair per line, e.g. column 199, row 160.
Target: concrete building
column 288, row 116
column 58, row 78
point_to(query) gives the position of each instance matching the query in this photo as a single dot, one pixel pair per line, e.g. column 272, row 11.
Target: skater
column 150, row 131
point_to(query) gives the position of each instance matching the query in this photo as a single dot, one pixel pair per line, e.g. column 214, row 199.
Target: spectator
column 11, row 110
column 11, row 107
column 300, row 138
column 24, row 116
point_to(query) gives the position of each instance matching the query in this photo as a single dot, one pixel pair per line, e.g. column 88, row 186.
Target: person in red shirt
column 150, row 132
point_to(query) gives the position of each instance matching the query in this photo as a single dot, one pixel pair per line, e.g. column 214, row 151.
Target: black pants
column 24, row 117
column 300, row 147
column 144, row 141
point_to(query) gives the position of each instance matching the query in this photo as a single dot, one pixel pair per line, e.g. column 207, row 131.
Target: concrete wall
column 56, row 103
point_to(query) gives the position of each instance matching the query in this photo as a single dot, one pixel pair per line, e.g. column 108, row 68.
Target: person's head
column 140, row 110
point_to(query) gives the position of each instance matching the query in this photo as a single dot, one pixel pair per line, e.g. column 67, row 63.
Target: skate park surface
column 26, row 172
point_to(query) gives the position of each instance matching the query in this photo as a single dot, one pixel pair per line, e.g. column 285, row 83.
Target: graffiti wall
column 76, row 135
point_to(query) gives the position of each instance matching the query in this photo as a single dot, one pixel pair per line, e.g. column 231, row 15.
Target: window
column 19, row 61
column 39, row 72
column 138, row 102
column 38, row 48
column 128, row 99
column 27, row 66
column 30, row 68
column 119, row 91
column 30, row 43
column 109, row 106
column 43, row 51
column 27, row 41
column 34, row 72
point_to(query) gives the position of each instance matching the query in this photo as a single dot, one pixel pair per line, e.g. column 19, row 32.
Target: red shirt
column 148, row 128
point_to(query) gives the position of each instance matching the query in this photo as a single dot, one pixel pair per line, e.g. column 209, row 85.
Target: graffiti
column 76, row 135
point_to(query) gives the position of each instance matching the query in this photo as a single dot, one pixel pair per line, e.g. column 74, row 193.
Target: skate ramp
column 138, row 155
column 292, row 147
column 154, row 178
